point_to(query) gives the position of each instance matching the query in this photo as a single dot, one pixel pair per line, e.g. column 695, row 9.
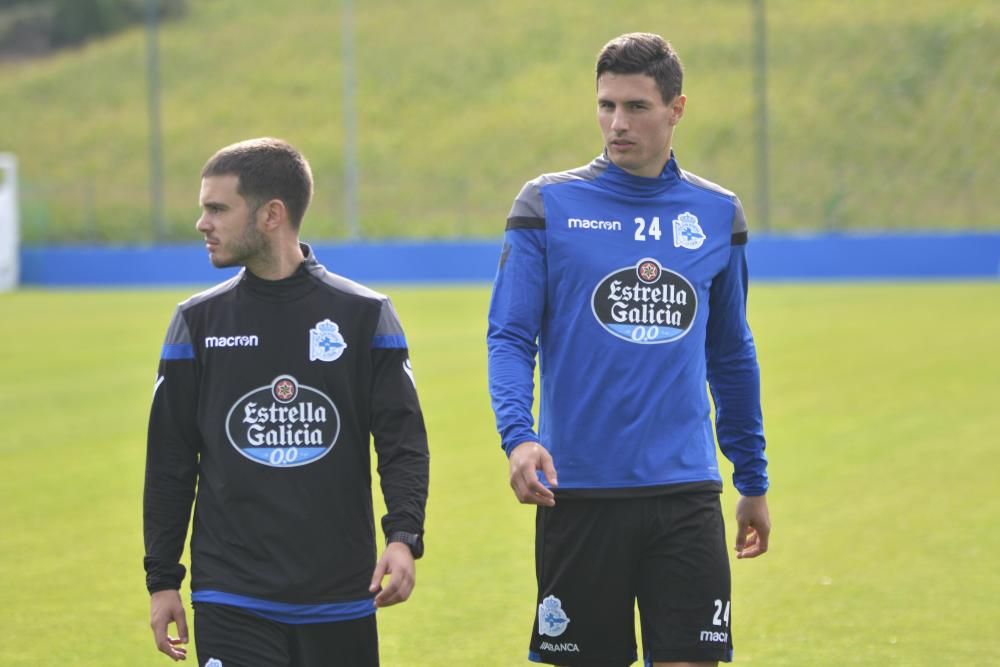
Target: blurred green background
column 880, row 115
column 879, row 399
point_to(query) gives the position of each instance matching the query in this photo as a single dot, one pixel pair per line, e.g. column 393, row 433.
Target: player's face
column 636, row 123
column 230, row 228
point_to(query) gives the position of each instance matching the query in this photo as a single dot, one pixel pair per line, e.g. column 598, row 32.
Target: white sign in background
column 9, row 225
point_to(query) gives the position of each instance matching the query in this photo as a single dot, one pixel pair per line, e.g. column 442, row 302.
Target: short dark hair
column 644, row 53
column 267, row 169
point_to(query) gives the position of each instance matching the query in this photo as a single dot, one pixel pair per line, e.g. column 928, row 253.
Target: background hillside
column 882, row 114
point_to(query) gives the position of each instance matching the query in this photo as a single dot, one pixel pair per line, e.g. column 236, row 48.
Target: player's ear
column 275, row 214
column 677, row 109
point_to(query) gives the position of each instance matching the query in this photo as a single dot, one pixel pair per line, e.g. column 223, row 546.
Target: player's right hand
column 526, row 460
column 165, row 607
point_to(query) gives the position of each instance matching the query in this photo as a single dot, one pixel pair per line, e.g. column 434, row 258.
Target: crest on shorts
column 213, row 662
column 552, row 620
column 325, row 341
column 687, row 232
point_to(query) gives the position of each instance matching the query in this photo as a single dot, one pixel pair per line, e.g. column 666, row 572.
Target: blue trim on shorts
column 295, row 614
column 648, row 662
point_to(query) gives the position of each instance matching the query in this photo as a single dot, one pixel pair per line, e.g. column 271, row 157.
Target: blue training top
column 632, row 292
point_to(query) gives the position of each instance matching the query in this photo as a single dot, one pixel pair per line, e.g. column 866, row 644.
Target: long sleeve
column 734, row 375
column 516, row 310
column 171, row 459
column 398, row 429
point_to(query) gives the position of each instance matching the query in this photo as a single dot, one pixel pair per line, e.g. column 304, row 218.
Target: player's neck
column 281, row 263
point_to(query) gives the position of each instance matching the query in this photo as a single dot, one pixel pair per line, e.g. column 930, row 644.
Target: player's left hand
column 753, row 526
column 396, row 563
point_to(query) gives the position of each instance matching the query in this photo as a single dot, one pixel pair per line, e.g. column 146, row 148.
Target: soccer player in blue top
column 627, row 278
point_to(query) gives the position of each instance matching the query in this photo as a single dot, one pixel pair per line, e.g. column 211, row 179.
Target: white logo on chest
column 325, row 342
column 687, row 232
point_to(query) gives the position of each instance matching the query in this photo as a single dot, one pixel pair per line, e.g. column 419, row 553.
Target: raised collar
column 620, row 180
column 293, row 287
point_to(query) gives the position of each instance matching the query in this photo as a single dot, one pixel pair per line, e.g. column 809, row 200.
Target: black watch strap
column 412, row 540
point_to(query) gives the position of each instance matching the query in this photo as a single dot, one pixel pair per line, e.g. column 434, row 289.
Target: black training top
column 266, row 396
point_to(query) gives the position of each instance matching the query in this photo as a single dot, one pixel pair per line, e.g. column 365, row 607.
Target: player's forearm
column 404, row 473
column 400, row 438
column 166, row 514
column 514, row 323
column 511, row 383
column 171, row 478
column 740, row 425
column 511, row 375
column 404, row 480
column 734, row 377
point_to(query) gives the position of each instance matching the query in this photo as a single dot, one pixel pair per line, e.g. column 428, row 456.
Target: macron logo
column 231, row 341
column 596, row 225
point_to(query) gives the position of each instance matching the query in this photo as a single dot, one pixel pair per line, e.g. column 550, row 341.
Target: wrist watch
column 412, row 540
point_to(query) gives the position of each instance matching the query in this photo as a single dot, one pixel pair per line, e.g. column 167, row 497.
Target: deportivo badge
column 687, row 232
column 325, row 342
column 552, row 620
column 645, row 303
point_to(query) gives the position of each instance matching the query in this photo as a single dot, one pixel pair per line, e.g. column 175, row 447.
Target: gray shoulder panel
column 221, row 288
column 388, row 322
column 177, row 332
column 739, row 217
column 528, row 203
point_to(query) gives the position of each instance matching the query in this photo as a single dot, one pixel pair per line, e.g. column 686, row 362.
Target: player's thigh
column 685, row 584
column 351, row 643
column 232, row 637
column 586, row 558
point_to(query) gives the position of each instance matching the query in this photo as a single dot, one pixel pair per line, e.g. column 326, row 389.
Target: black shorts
column 595, row 557
column 234, row 637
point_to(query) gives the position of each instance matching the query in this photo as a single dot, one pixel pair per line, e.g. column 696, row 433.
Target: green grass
column 880, row 408
column 881, row 115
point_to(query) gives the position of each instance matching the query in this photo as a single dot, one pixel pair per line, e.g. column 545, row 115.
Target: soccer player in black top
column 271, row 386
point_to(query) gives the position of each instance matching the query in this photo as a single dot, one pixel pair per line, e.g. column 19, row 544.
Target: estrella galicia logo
column 645, row 303
column 325, row 341
column 283, row 424
column 552, row 620
column 687, row 232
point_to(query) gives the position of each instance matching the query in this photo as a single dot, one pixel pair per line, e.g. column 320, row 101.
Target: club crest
column 552, row 620
column 687, row 232
column 325, row 342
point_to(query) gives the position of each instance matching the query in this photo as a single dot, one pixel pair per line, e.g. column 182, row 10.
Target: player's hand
column 753, row 526
column 165, row 607
column 525, row 461
column 396, row 563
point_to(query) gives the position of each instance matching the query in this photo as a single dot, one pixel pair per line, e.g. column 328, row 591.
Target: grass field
column 881, row 412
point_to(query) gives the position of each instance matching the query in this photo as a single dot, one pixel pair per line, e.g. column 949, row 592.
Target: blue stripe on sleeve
column 173, row 351
column 389, row 342
column 296, row 614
